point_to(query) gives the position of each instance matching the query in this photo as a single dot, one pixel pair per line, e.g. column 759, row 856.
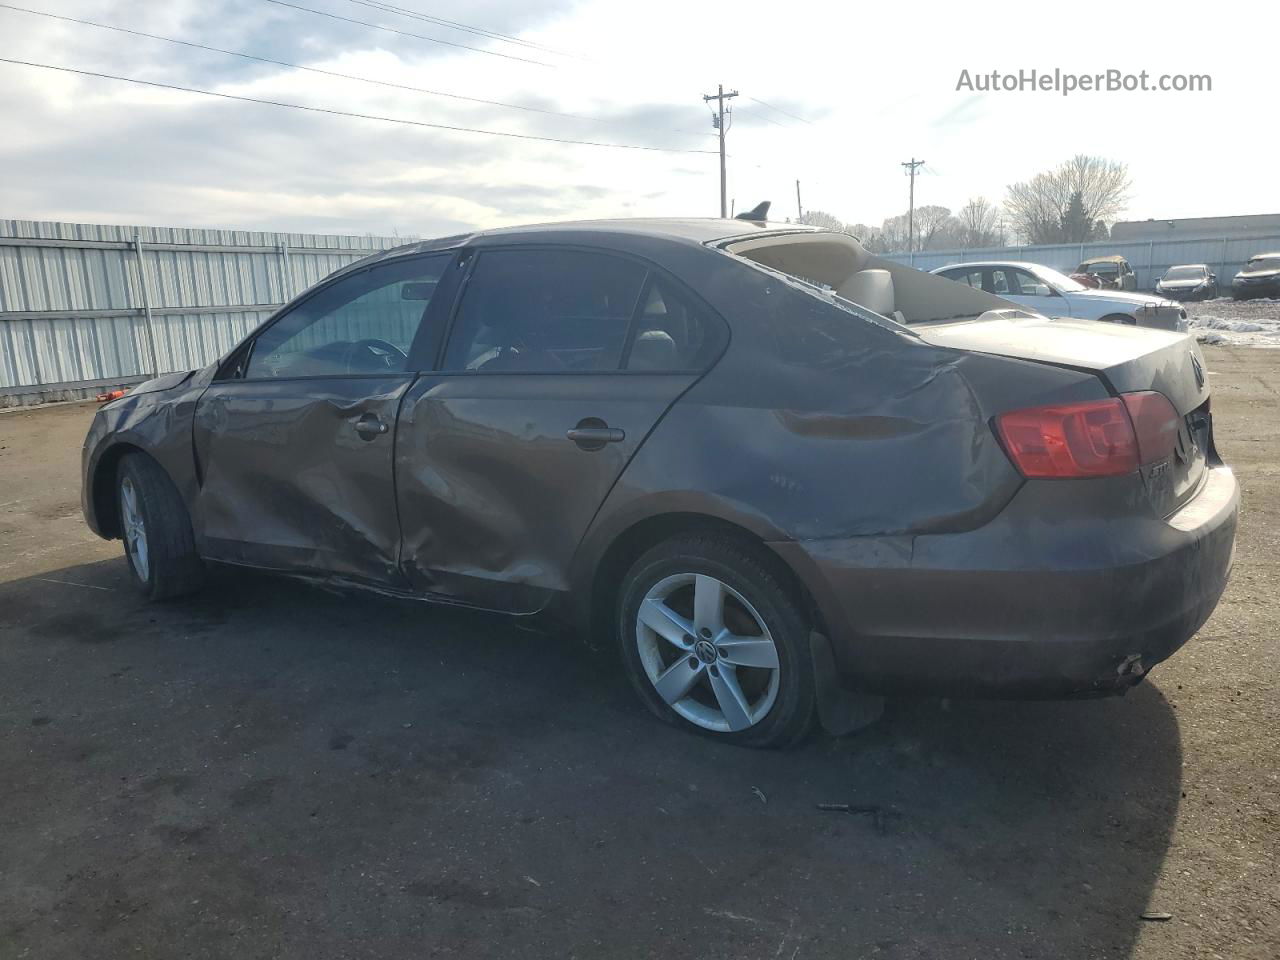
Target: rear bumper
column 1024, row 607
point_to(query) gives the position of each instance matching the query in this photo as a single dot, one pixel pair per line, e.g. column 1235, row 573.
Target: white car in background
column 1054, row 294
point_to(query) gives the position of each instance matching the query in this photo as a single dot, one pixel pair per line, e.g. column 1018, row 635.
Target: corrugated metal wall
column 1149, row 258
column 89, row 304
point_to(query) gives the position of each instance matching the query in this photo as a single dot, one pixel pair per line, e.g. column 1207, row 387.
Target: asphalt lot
column 269, row 770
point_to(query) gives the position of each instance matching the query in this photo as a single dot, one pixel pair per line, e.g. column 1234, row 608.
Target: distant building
column 1261, row 224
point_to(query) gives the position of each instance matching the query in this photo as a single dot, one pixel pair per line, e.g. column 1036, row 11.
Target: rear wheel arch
column 643, row 535
column 1123, row 318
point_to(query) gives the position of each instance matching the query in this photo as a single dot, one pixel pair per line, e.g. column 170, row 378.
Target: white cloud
column 878, row 82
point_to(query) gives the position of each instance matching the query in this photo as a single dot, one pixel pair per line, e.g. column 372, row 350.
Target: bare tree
column 979, row 224
column 820, row 218
column 1062, row 205
column 893, row 234
column 934, row 226
column 872, row 238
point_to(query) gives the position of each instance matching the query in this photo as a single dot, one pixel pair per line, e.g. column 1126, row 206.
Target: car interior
column 839, row 264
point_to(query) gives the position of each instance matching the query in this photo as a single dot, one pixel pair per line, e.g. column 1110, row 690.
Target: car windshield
column 1263, row 263
column 1108, row 269
column 1060, row 281
column 1185, row 273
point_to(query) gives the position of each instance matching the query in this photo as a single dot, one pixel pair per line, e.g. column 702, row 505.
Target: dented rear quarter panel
column 820, row 424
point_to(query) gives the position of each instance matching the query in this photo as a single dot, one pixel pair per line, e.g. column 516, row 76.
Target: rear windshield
column 1185, row 273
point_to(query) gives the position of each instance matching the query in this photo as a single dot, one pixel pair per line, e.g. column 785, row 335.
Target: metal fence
column 1149, row 258
column 87, row 306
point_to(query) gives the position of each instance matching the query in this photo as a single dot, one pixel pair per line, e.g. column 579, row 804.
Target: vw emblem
column 1198, row 369
column 705, row 651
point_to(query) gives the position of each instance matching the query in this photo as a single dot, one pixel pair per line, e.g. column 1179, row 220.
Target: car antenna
column 759, row 213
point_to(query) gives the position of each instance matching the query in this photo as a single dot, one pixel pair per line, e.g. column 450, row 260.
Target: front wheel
column 714, row 641
column 156, row 530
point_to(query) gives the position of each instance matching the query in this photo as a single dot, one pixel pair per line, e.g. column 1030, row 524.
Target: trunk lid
column 1127, row 359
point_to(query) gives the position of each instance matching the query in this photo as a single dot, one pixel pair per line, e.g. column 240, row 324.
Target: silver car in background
column 1054, row 294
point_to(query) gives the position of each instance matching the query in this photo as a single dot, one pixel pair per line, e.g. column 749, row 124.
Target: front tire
column 156, row 529
column 714, row 641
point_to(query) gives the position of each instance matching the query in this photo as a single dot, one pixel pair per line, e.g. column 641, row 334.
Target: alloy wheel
column 707, row 652
column 135, row 530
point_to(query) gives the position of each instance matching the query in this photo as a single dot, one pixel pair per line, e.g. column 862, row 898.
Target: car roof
column 1179, row 266
column 1259, row 256
column 700, row 231
column 1024, row 264
column 1114, row 258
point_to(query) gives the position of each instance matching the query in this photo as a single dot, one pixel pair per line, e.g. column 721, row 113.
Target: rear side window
column 672, row 332
column 544, row 311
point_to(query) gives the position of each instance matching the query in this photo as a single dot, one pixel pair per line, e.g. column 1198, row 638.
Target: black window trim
column 470, row 256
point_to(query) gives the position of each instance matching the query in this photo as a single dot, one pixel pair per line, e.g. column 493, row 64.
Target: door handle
column 369, row 427
column 593, row 433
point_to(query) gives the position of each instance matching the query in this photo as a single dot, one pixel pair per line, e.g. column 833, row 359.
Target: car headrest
column 653, row 350
column 872, row 289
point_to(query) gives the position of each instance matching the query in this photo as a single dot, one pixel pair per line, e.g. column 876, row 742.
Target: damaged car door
column 559, row 361
column 294, row 439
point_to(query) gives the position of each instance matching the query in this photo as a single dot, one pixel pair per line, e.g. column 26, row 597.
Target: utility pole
column 912, row 166
column 717, row 121
column 799, row 209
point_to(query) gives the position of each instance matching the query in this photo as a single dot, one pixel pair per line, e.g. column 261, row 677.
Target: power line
column 455, row 25
column 347, row 113
column 779, row 110
column 406, row 33
column 751, row 113
column 298, row 66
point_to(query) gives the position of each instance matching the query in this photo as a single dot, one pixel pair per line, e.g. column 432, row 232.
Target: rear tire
column 156, row 529
column 732, row 660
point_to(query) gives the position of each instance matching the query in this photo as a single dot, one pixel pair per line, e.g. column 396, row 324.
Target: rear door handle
column 593, row 433
column 369, row 427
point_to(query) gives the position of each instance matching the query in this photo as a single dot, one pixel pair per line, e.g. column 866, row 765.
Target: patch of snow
column 1249, row 324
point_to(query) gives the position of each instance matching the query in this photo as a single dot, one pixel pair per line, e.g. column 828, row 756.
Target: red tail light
column 1101, row 438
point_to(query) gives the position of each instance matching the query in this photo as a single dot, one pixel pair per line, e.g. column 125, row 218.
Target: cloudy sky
column 851, row 91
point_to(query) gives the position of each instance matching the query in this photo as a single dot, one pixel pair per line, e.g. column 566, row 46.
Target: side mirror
column 1042, row 290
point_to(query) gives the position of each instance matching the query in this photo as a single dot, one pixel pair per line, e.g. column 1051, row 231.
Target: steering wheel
column 387, row 355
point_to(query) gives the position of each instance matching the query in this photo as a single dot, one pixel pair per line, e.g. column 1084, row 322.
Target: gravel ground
column 272, row 771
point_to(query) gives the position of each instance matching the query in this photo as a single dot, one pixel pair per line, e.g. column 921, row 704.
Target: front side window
column 544, row 311
column 1026, row 284
column 363, row 324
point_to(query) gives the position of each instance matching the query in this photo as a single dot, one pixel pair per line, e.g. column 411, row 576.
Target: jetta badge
column 1198, row 369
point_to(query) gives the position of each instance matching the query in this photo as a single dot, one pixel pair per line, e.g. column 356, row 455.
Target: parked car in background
column 1054, row 294
column 757, row 488
column 1259, row 278
column 1087, row 280
column 1192, row 281
column 1112, row 273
